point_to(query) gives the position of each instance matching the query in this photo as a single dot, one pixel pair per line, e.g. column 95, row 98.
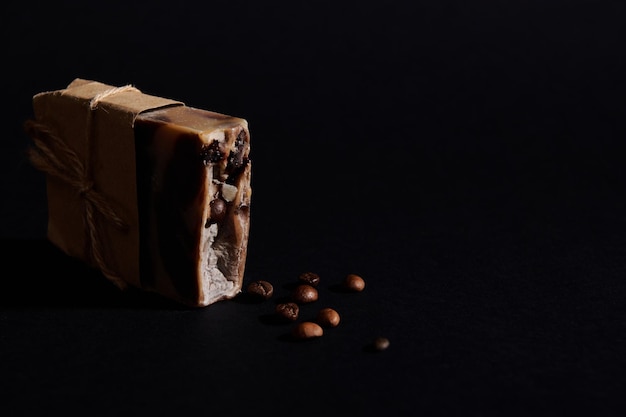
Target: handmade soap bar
column 153, row 193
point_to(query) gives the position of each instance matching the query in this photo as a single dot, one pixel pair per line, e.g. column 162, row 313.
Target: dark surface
column 465, row 158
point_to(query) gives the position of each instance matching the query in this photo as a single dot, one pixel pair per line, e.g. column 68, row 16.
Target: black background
column 465, row 158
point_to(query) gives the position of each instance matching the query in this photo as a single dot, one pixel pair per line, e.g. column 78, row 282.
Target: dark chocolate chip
column 211, row 153
column 236, row 157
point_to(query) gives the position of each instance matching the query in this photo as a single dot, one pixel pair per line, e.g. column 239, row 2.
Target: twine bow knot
column 51, row 155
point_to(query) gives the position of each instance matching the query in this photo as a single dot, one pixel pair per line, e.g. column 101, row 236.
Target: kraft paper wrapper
column 112, row 169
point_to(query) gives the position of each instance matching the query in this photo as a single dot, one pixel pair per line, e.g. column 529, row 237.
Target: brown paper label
column 95, row 121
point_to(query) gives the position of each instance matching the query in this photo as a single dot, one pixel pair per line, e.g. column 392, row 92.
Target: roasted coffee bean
column 218, row 210
column 310, row 278
column 354, row 283
column 380, row 343
column 307, row 330
column 287, row 311
column 328, row 317
column 261, row 289
column 304, row 293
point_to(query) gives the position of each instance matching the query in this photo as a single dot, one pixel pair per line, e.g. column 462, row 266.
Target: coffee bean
column 310, row 278
column 260, row 289
column 307, row 330
column 287, row 311
column 304, row 293
column 354, row 283
column 328, row 317
column 380, row 343
column 218, row 210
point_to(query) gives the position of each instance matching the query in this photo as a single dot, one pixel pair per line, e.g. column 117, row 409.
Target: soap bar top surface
column 194, row 119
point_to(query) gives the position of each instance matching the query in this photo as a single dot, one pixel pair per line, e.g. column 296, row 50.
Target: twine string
column 51, row 155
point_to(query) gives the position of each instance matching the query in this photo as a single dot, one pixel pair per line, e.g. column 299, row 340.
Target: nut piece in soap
column 229, row 192
column 307, row 330
column 260, row 289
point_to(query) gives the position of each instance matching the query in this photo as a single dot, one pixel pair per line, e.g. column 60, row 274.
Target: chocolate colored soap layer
column 193, row 189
